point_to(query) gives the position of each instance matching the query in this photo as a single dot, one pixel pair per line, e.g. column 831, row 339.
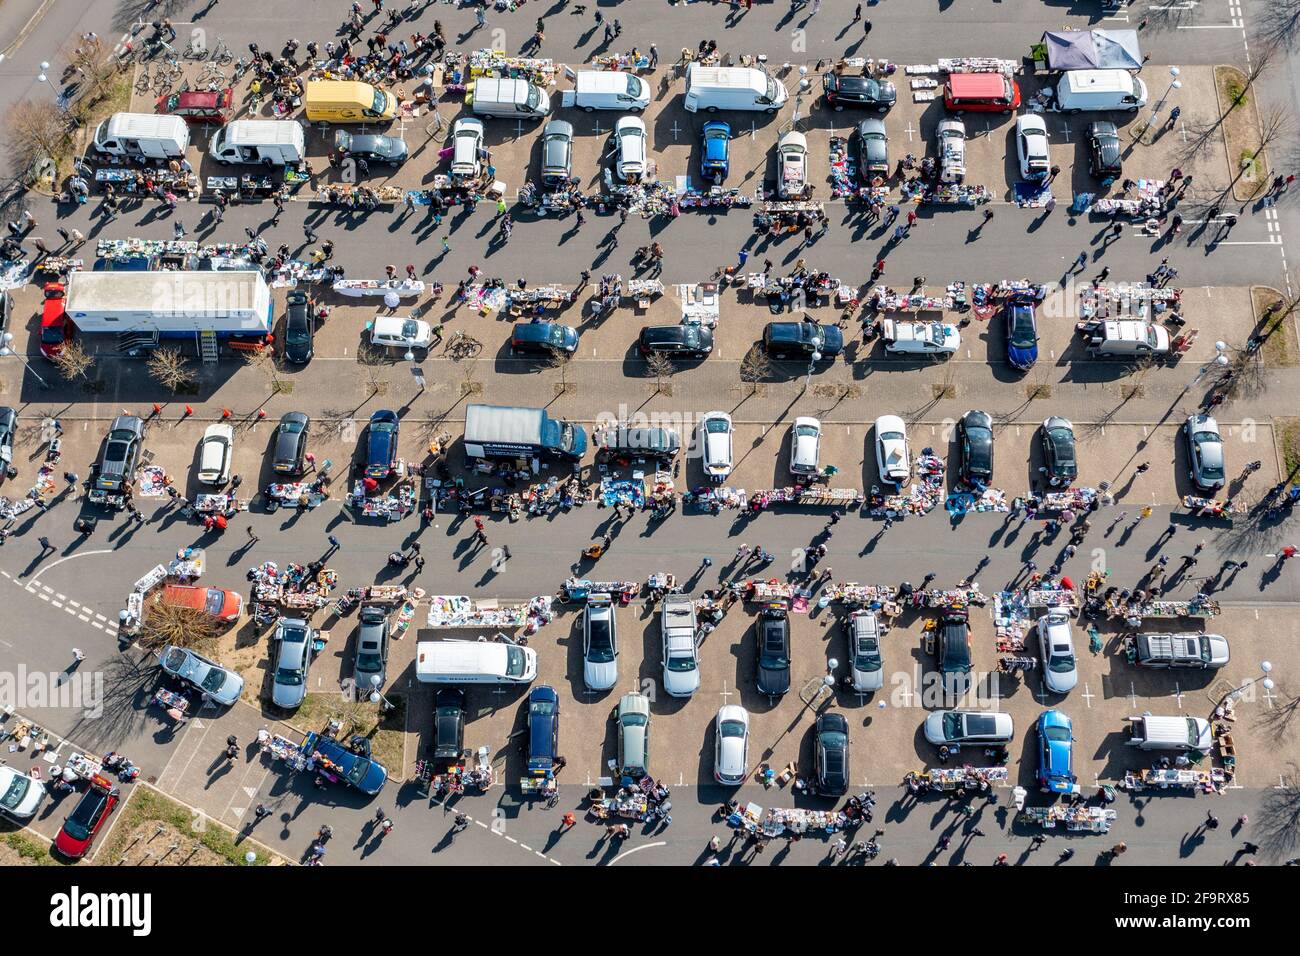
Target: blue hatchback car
column 1022, row 334
column 543, row 729
column 381, row 444
column 1055, row 752
column 715, row 158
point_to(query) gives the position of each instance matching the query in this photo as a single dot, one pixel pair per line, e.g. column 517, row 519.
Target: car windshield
column 601, row 641
column 291, row 428
column 1056, row 734
column 1022, row 328
column 1063, row 442
column 541, row 708
column 379, row 104
column 868, row 656
column 18, row 788
column 635, row 720
column 213, row 680
column 77, row 826
column 681, row 662
column 952, row 728
column 732, row 728
column 716, row 134
column 1061, row 660
column 891, row 436
column 772, row 89
column 834, row 740
column 514, row 662
column 533, row 98
column 716, row 426
column 359, row 770
column 369, row 660
column 806, row 431
column 383, row 426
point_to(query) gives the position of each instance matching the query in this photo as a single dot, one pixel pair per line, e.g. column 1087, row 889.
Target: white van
column 1129, row 338
column 1170, row 733
column 608, row 90
column 494, row 96
column 713, row 88
column 474, row 662
column 270, row 142
column 143, row 136
column 1080, row 90
column 20, row 795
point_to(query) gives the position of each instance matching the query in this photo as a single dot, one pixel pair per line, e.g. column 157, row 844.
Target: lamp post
column 1265, row 668
column 6, row 351
column 812, row 362
column 1174, row 84
column 376, row 697
column 1220, row 360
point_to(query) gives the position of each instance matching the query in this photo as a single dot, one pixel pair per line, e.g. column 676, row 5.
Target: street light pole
column 1265, row 668
column 1174, row 84
column 6, row 351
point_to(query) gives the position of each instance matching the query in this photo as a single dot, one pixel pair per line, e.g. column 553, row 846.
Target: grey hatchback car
column 372, row 650
column 1205, row 462
column 296, row 642
column 557, row 153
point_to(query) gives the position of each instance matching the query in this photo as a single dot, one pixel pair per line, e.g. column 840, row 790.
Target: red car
column 198, row 106
column 56, row 327
column 87, row 818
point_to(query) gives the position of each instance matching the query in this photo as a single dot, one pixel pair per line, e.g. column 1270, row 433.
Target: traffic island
column 154, row 830
column 1246, row 138
column 19, row 849
column 1274, row 324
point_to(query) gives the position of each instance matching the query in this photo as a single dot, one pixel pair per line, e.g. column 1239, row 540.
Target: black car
column 975, row 441
column 1059, row 461
column 381, row 444
column 799, row 340
column 687, row 341
column 858, row 92
column 448, row 723
column 120, row 455
column 661, row 444
column 8, row 425
column 831, row 754
column 290, row 444
column 6, row 311
column 1105, row 152
column 299, row 328
column 544, row 338
column 954, row 644
column 373, row 148
column 773, row 631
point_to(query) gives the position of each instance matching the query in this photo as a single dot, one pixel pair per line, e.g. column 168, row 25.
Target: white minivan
column 1098, row 90
column 474, row 662
column 143, row 136
column 1170, row 733
column 270, row 142
column 392, row 331
column 608, row 90
column 713, row 88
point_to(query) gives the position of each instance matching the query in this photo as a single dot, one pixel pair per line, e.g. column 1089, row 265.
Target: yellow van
column 348, row 101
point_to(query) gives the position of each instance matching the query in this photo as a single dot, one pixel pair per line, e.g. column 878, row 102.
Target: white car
column 1056, row 644
column 805, row 446
column 20, row 795
column 681, row 656
column 1031, row 146
column 893, row 458
column 222, row 685
column 215, row 452
column 630, row 149
column 395, row 332
column 715, row 445
column 731, row 745
column 791, row 165
column 866, row 665
column 599, row 644
column 951, row 146
column 948, row 727
column 920, row 338
column 467, row 148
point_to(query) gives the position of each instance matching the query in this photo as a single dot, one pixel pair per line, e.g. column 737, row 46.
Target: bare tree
column 1039, row 387
column 1260, row 59
column 662, row 368
column 1279, row 826
column 1278, row 22
column 469, row 386
column 73, row 361
column 946, row 387
column 264, row 361
column 1274, row 123
column 755, row 368
column 169, row 368
column 36, row 132
column 559, row 359
column 373, row 363
column 165, row 624
column 1137, row 372
column 95, row 72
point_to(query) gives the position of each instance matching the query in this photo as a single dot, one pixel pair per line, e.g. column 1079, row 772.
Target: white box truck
column 498, row 431
column 270, row 142
column 170, row 303
column 142, row 136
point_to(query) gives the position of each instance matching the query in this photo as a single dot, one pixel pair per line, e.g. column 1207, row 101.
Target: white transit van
column 1125, row 338
column 1080, row 90
column 608, row 90
column 713, row 88
column 1170, row 733
column 493, row 96
column 271, row 142
column 143, row 136
column 474, row 662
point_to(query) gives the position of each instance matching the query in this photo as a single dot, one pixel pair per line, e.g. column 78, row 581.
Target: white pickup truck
column 920, row 338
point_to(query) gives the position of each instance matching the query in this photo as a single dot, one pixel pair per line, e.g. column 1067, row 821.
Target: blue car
column 715, row 159
column 354, row 769
column 1022, row 334
column 1055, row 752
column 543, row 730
column 381, row 444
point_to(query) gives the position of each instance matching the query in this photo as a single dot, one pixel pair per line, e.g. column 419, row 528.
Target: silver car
column 1205, row 460
column 599, row 644
column 295, row 640
column 372, row 650
column 805, row 446
column 1056, row 644
column 220, row 684
column 557, row 153
column 950, row 143
column 731, row 745
column 949, row 727
column 633, row 719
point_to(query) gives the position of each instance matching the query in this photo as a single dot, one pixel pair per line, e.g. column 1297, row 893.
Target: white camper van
column 713, row 88
column 143, row 136
column 270, row 142
column 1098, row 90
column 609, row 90
column 494, row 96
column 474, row 662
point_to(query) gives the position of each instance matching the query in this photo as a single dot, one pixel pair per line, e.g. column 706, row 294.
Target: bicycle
column 242, row 66
column 144, row 80
column 196, row 50
column 461, row 345
column 221, row 53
